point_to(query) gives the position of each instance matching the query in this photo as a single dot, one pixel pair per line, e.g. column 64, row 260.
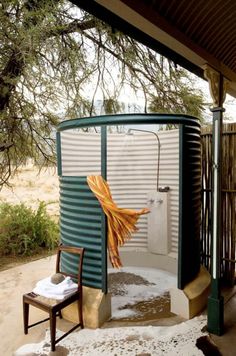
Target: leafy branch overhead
column 55, row 59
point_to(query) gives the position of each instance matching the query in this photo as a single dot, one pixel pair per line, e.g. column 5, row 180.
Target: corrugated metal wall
column 190, row 204
column 81, row 225
column 131, row 171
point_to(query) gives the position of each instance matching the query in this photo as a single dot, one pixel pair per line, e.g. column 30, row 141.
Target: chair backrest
column 73, row 250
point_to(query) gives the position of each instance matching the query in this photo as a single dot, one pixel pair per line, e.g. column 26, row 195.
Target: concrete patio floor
column 16, row 281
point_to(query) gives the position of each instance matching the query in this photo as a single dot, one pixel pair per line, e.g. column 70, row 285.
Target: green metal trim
column 104, row 152
column 58, row 145
column 118, row 23
column 215, row 309
column 181, row 173
column 217, row 117
column 104, row 218
column 125, row 119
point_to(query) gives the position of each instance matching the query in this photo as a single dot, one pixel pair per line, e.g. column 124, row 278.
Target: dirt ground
column 30, row 186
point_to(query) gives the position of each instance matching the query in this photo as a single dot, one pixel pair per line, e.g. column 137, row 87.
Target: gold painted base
column 96, row 308
column 193, row 298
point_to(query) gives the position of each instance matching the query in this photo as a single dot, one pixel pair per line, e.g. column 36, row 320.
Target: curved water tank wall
column 83, row 226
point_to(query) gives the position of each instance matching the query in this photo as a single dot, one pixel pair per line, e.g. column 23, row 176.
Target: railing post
column 215, row 323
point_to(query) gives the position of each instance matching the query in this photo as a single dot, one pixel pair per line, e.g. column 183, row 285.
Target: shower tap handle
column 151, row 201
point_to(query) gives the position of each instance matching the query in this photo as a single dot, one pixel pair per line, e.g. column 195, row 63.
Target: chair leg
column 60, row 314
column 53, row 330
column 26, row 316
column 80, row 312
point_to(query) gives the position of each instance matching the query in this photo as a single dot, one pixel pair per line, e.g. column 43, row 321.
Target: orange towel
column 121, row 222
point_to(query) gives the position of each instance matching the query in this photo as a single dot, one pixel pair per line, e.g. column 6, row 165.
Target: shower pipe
column 159, row 149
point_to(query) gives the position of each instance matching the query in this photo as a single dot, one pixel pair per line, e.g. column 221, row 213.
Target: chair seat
column 48, row 303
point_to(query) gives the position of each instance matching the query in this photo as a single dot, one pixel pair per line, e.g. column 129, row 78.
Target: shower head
column 130, row 133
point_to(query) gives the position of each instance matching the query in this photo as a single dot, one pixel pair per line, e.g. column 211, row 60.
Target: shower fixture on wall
column 129, row 132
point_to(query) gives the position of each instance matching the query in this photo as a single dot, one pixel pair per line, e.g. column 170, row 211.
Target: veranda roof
column 191, row 33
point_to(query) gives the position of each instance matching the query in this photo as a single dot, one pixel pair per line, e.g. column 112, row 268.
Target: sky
column 137, row 101
column 229, row 105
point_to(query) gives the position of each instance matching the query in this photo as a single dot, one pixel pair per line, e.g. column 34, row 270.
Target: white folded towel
column 59, row 291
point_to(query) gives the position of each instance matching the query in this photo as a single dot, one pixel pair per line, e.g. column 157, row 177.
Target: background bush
column 24, row 231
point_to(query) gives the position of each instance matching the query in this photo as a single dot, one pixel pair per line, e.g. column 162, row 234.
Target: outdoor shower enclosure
column 82, row 221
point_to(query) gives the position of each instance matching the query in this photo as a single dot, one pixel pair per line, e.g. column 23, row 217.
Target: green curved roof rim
column 122, row 119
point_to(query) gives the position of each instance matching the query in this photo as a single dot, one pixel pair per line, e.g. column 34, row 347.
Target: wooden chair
column 53, row 307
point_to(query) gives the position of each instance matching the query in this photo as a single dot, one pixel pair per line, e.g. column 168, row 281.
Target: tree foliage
column 54, row 60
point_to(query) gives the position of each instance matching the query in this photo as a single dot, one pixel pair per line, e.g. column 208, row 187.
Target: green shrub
column 24, row 231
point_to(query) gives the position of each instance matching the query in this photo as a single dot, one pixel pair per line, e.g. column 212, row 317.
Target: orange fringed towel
column 121, row 222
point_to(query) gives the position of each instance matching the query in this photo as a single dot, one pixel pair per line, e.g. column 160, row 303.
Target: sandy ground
column 30, row 186
column 133, row 341
column 13, row 284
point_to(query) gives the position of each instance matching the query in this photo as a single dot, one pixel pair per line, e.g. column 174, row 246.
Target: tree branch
column 72, row 27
